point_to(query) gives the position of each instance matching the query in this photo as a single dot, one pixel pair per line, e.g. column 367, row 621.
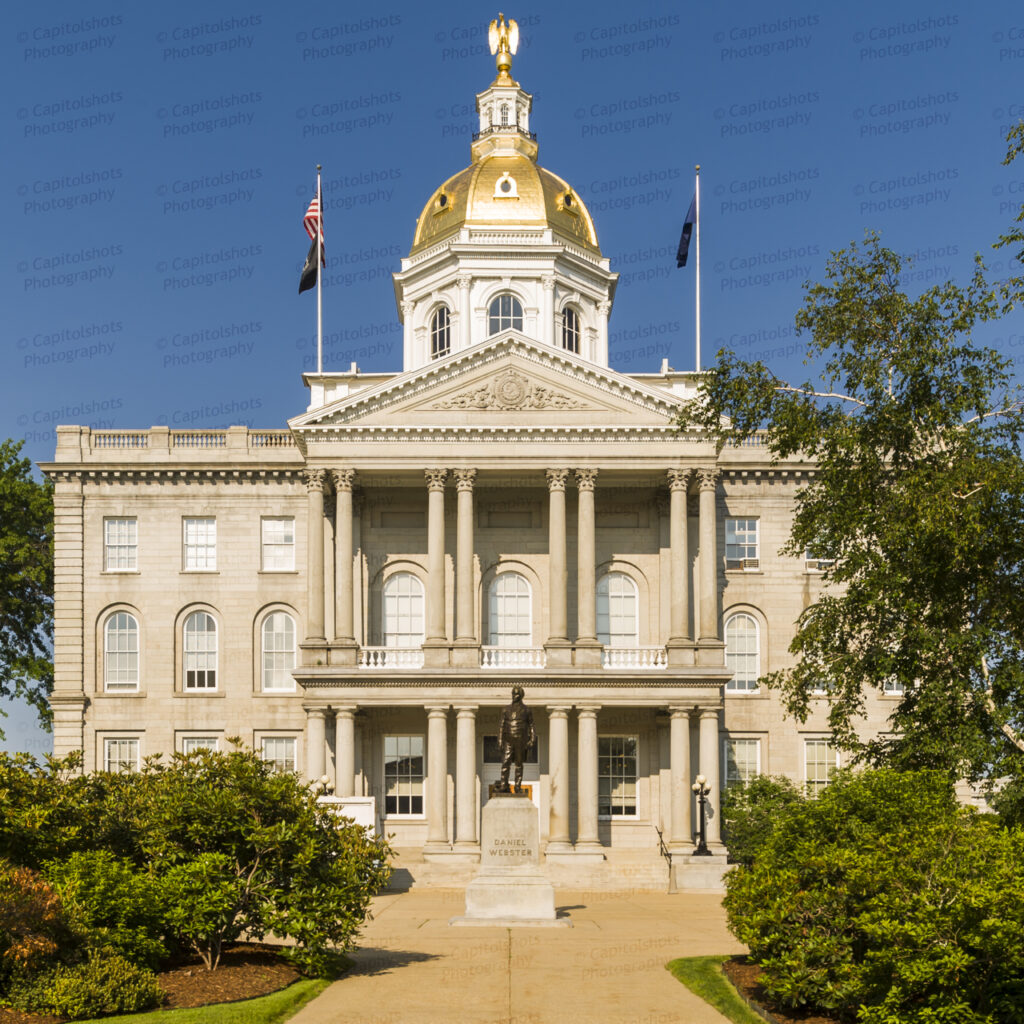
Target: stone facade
column 356, row 595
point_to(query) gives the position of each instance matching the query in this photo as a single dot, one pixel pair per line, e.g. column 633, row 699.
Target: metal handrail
column 667, row 854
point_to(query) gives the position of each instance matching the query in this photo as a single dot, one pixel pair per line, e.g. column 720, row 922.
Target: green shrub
column 750, row 811
column 109, row 904
column 105, row 983
column 885, row 902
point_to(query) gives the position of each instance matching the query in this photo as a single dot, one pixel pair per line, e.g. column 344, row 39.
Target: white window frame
column 499, row 318
column 745, row 685
column 815, row 786
column 407, row 777
column 497, row 615
column 123, row 548
column 200, row 657
column 602, row 740
column 572, row 330
column 279, row 549
column 440, row 333
column 190, row 744
column 893, row 688
column 814, row 564
column 123, row 764
column 281, row 764
column 281, row 660
column 124, row 634
column 605, row 616
column 398, row 608
column 743, row 543
column 729, row 745
column 199, row 544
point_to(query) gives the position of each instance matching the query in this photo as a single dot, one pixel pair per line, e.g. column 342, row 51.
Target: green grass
column 703, row 976
column 272, row 1009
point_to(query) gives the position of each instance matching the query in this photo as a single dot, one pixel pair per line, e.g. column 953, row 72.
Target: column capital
column 556, row 479
column 548, row 282
column 586, row 479
column 408, row 307
column 343, row 479
column 708, row 713
column 707, row 478
column 559, row 710
column 464, row 479
column 588, row 710
column 435, row 479
column 316, row 713
column 314, row 479
column 466, row 710
column 679, row 479
column 437, row 710
column 677, row 712
column 346, row 711
column 604, row 307
column 464, row 280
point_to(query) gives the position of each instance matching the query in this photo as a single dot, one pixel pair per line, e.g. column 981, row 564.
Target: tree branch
column 1008, row 731
column 821, row 394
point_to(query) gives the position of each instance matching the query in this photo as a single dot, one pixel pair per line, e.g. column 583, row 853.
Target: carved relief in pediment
column 510, row 390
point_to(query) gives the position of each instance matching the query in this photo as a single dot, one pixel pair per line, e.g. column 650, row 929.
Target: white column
column 558, row 574
column 708, row 760
column 465, row 776
column 435, row 555
column 465, row 313
column 345, row 726
column 316, row 743
column 315, row 554
column 465, row 626
column 707, row 479
column 547, row 331
column 603, row 309
column 437, row 776
column 343, row 555
column 407, row 335
column 586, row 591
column 681, row 831
column 586, row 781
column 679, row 616
column 558, row 774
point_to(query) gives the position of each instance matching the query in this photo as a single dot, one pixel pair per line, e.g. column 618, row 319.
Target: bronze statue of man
column 515, row 737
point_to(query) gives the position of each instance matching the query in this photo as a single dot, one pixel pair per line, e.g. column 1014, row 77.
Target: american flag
column 307, row 279
column 310, row 222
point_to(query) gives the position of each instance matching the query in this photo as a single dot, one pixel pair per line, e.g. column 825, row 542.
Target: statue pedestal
column 509, row 890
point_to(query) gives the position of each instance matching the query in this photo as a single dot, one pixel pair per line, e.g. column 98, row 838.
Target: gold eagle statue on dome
column 502, row 36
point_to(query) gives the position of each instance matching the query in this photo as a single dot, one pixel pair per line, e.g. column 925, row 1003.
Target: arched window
column 440, row 333
column 121, row 652
column 742, row 652
column 509, row 618
column 504, row 115
column 505, row 312
column 616, row 610
column 278, row 643
column 403, row 611
column 200, row 652
column 571, row 330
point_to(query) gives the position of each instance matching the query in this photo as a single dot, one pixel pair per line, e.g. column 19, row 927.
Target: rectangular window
column 741, row 544
column 616, row 776
column 279, row 751
column 893, row 688
column 200, row 537
column 120, row 545
column 812, row 563
column 190, row 744
column 403, row 775
column 121, row 754
column 742, row 760
column 278, row 536
column 821, row 759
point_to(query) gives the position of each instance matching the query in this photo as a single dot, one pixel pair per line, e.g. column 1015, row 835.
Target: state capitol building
column 355, row 595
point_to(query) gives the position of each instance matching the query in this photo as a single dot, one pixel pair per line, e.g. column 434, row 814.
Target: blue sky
column 158, row 160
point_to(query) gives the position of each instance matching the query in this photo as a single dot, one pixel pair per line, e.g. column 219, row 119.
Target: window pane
column 278, row 543
column 278, row 651
column 510, row 617
column 505, row 312
column 121, row 652
column 403, row 611
column 742, row 760
column 742, row 653
column 200, row 652
column 279, row 751
column 403, row 774
column 616, row 610
column 200, row 544
column 190, row 744
column 121, row 755
column 740, row 540
column 820, row 760
column 616, row 775
column 120, row 544
column 571, row 330
column 440, row 333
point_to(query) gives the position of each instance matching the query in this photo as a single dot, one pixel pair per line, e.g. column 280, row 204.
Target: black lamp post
column 702, row 791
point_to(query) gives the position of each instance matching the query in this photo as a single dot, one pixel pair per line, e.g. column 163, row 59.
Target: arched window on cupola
column 440, row 333
column 570, row 330
column 504, row 313
column 504, row 115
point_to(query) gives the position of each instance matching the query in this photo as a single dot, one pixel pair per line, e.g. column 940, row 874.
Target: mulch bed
column 246, row 970
column 744, row 976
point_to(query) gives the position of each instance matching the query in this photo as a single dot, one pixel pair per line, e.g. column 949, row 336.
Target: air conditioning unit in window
column 750, row 564
column 819, row 564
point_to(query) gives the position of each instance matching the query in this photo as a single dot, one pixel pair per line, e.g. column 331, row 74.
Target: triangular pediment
column 508, row 380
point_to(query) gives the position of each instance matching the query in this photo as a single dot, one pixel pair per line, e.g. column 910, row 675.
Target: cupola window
column 440, row 333
column 505, row 313
column 571, row 330
column 504, row 115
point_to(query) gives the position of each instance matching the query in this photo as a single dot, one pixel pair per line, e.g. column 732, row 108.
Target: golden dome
column 504, row 188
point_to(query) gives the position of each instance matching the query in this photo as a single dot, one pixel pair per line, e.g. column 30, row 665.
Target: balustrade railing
column 512, row 657
column 390, row 657
column 119, row 438
column 198, row 439
column 642, row 658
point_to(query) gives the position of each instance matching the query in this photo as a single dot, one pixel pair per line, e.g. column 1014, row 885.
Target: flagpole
column 696, row 228
column 319, row 276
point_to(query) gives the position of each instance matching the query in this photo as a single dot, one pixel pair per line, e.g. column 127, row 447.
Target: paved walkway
column 609, row 968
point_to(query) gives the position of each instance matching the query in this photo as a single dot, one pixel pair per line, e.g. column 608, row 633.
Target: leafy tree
column 918, row 497
column 26, row 581
column 882, row 900
column 750, row 812
column 1014, row 286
